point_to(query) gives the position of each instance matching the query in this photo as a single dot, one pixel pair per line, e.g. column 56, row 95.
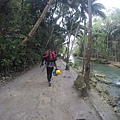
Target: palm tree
column 79, row 15
column 84, row 47
column 95, row 9
column 88, row 55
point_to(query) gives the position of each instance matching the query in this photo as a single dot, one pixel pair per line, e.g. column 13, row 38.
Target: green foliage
column 18, row 18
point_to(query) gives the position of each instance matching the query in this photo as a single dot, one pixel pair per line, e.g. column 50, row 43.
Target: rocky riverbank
column 103, row 86
column 103, row 61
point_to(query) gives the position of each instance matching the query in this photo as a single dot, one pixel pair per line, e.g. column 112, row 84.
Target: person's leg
column 50, row 74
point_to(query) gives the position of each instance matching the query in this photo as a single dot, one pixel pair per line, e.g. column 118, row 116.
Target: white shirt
column 50, row 64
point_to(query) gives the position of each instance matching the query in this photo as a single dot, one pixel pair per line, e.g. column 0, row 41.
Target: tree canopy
column 59, row 24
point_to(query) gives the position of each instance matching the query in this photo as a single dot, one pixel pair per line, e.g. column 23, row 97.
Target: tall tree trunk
column 76, row 32
column 97, row 56
column 107, row 54
column 118, row 50
column 84, row 52
column 31, row 33
column 88, row 56
column 50, row 37
column 68, row 45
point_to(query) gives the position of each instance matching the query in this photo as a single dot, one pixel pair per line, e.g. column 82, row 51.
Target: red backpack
column 50, row 56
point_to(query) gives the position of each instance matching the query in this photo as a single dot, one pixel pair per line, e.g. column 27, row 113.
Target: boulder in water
column 101, row 78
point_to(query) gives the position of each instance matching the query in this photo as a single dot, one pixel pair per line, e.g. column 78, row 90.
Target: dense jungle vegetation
column 63, row 20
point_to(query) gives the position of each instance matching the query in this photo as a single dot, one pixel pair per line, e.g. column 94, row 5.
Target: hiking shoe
column 49, row 84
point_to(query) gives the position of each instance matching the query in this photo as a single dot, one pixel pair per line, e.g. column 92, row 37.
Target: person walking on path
column 50, row 62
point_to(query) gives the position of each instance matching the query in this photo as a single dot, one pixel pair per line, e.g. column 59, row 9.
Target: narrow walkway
column 28, row 97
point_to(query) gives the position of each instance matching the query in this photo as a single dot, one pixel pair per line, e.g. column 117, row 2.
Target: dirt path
column 28, row 97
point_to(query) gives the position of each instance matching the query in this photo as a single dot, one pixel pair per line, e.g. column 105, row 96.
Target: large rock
column 99, row 88
column 117, row 64
column 99, row 75
column 93, row 82
column 102, row 78
column 78, row 69
column 79, row 82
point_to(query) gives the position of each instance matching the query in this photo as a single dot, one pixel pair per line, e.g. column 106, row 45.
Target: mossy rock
column 93, row 82
column 99, row 75
column 79, row 82
column 104, row 80
column 70, row 64
column 116, row 109
column 99, row 89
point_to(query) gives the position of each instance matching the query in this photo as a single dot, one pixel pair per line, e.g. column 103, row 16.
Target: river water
column 113, row 73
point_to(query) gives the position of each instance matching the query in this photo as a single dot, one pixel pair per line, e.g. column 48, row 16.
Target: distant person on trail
column 49, row 57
